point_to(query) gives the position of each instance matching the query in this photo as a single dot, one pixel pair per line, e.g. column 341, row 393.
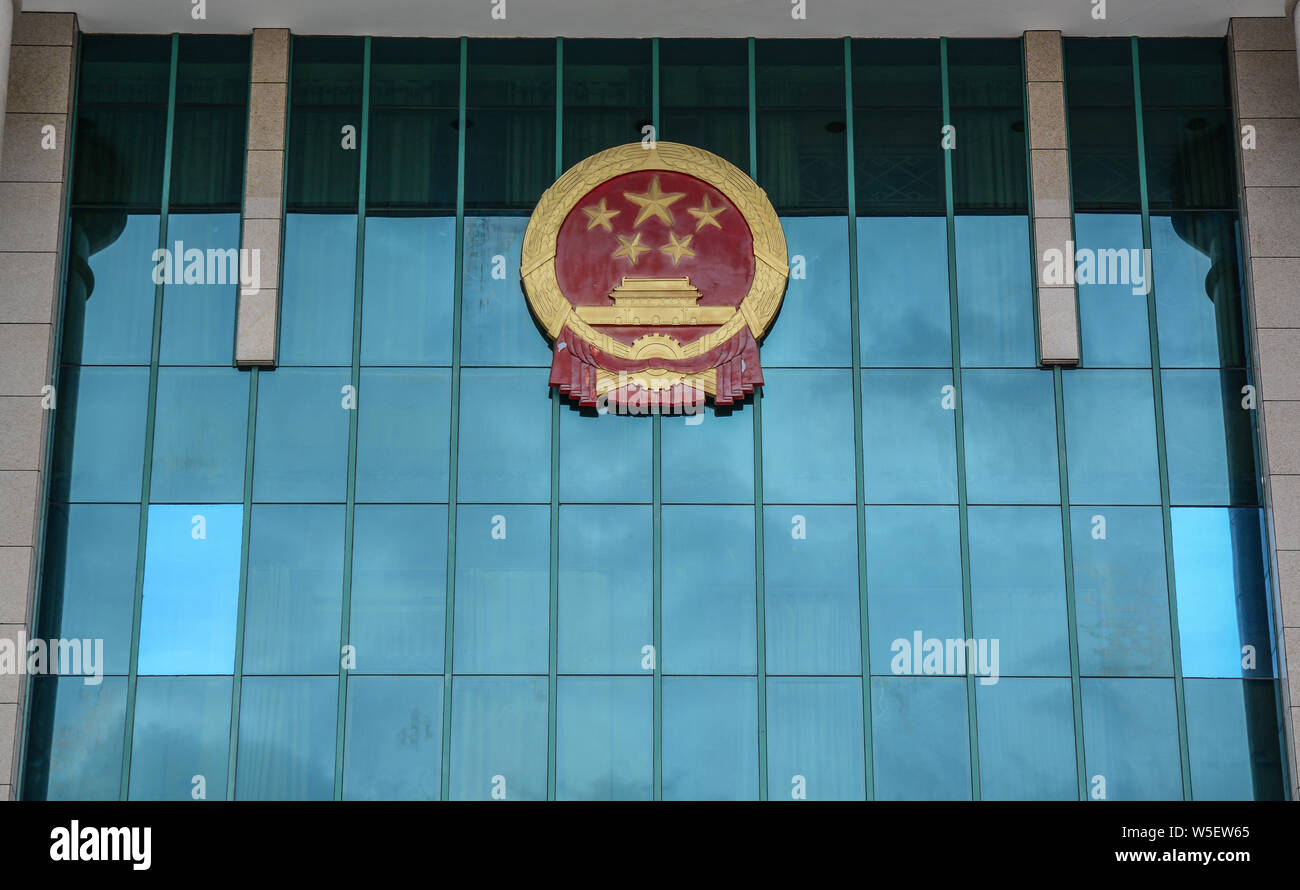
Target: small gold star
column 600, row 216
column 631, row 248
column 706, row 215
column 654, row 202
column 678, row 249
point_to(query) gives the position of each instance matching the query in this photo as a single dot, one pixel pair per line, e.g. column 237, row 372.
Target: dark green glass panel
column 498, row 738
column 1190, row 159
column 198, row 324
column 413, row 73
column 76, row 738
column 302, row 436
column 511, row 73
column 1130, row 739
column 182, row 733
column 1110, row 434
column 1232, row 740
column 603, row 458
column 897, row 74
column 1026, row 740
column 393, row 749
column 604, row 738
column 119, row 155
column 986, row 97
column 802, row 152
column 1099, row 72
column 1198, row 290
column 814, row 743
column 213, row 70
column 510, row 129
column 704, row 96
column 691, row 446
column 124, row 70
column 985, row 74
column 111, row 289
column 402, row 441
column 199, row 436
column 99, row 434
column 922, row 748
column 1184, row 72
column 795, row 401
column 898, row 160
column 710, row 738
column 607, row 95
column 1210, row 438
column 909, row 452
column 322, row 173
column 208, row 156
column 327, row 70
column 287, row 728
column 1102, row 123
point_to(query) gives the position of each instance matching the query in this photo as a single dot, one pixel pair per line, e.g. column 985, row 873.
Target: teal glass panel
column 903, row 310
column 505, row 436
column 324, row 164
column 1209, row 438
column 121, row 69
column 1130, row 739
column 1017, row 579
column 287, row 728
column 1190, row 157
column 211, row 120
column 1112, row 297
column 99, row 436
column 302, row 436
column 710, row 738
column 606, row 609
column 402, row 440
column 498, row 738
column 810, row 564
column 795, row 402
column 913, row 583
column 607, row 95
column 1198, row 290
column 409, row 290
column 198, row 324
column 814, row 329
column 111, row 291
column 814, row 743
column 1026, row 740
column 1184, row 71
column 909, row 446
column 394, row 739
column 604, row 738
column 604, row 458
column 502, row 590
column 318, row 289
column 414, row 72
column 995, row 291
column 180, row 746
column 708, row 457
column 1120, row 592
column 922, row 749
column 496, row 326
column 295, row 590
column 1010, row 431
column 510, row 126
column 191, row 589
column 76, row 738
column 399, row 581
column 1223, row 595
column 708, row 603
column 986, row 87
column 704, row 96
column 89, row 577
column 200, row 428
column 1102, row 123
column 1110, row 435
column 1232, row 740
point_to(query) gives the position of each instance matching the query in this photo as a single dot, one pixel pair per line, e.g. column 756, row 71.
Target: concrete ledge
column 15, row 581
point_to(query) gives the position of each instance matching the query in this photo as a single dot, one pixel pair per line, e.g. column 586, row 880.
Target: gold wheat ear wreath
column 771, row 265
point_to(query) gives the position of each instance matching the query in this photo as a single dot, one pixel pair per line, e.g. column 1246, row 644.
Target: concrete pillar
column 7, row 13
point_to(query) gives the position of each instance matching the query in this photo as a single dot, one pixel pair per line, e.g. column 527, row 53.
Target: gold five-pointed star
column 678, row 248
column 631, row 248
column 706, row 215
column 600, row 216
column 654, row 202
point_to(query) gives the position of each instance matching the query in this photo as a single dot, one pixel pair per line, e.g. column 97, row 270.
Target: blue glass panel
column 75, row 741
column 295, row 590
column 1197, row 282
column 399, row 580
column 1232, row 740
column 913, row 581
column 287, row 728
column 1209, row 437
column 1010, row 431
column 1130, row 740
column 708, row 591
column 606, row 612
column 708, row 458
column 710, row 738
column 198, row 323
column 191, row 589
column 394, row 743
column 605, row 458
column 110, row 310
column 409, row 290
column 1017, row 578
column 402, row 441
column 1219, row 573
column 604, row 738
column 99, row 436
column 995, row 291
column 814, row 741
column 1110, row 435
column 1120, row 593
column 498, row 738
column 903, row 305
column 909, row 450
column 1026, row 737
column 502, row 590
column 505, row 437
column 302, row 436
column 813, row 329
column 318, row 288
column 200, row 436
column 795, row 402
column 810, row 561
column 497, row 327
column 921, row 744
column 182, row 733
column 1112, row 318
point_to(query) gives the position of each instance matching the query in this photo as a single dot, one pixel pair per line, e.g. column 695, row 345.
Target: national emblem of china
column 655, row 269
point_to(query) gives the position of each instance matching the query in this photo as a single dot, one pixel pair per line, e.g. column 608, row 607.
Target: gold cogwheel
column 656, row 346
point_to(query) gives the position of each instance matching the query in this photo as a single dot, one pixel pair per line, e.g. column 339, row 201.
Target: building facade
column 293, row 512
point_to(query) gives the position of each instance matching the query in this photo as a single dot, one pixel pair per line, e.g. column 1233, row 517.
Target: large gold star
column 654, row 202
column 600, row 216
column 678, row 249
column 630, row 248
column 706, row 215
